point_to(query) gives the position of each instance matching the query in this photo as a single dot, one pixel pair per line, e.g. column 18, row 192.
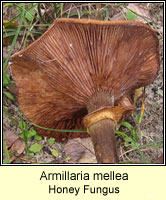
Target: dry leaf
column 146, row 17
column 89, row 154
column 16, row 144
column 10, row 138
column 80, row 150
column 159, row 159
column 137, row 94
column 74, row 149
column 18, row 147
column 118, row 16
column 13, row 89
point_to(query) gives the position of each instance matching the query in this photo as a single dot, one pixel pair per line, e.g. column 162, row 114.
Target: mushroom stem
column 104, row 141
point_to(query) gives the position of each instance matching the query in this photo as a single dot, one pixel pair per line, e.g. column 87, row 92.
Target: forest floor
column 150, row 131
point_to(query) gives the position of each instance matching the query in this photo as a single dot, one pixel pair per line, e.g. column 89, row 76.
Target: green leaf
column 127, row 125
column 51, row 141
column 130, row 15
column 30, row 14
column 55, row 9
column 126, row 144
column 32, row 154
column 135, row 135
column 61, row 8
column 54, row 153
column 40, row 14
column 121, row 133
column 142, row 156
column 22, row 135
column 9, row 4
column 37, row 137
column 68, row 158
column 135, row 145
column 7, row 37
column 31, row 133
column 9, row 95
column 106, row 13
column 21, row 5
column 156, row 146
column 35, row 148
column 6, row 79
column 137, row 118
column 23, row 125
column 6, row 161
column 128, row 139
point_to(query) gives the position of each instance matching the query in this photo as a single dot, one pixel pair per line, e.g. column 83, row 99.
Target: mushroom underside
column 77, row 68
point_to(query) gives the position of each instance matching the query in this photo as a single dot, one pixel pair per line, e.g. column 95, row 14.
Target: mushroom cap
column 76, row 58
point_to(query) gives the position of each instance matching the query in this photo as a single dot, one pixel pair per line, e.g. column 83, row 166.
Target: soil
column 151, row 128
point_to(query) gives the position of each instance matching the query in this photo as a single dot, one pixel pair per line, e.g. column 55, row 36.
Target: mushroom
column 78, row 75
